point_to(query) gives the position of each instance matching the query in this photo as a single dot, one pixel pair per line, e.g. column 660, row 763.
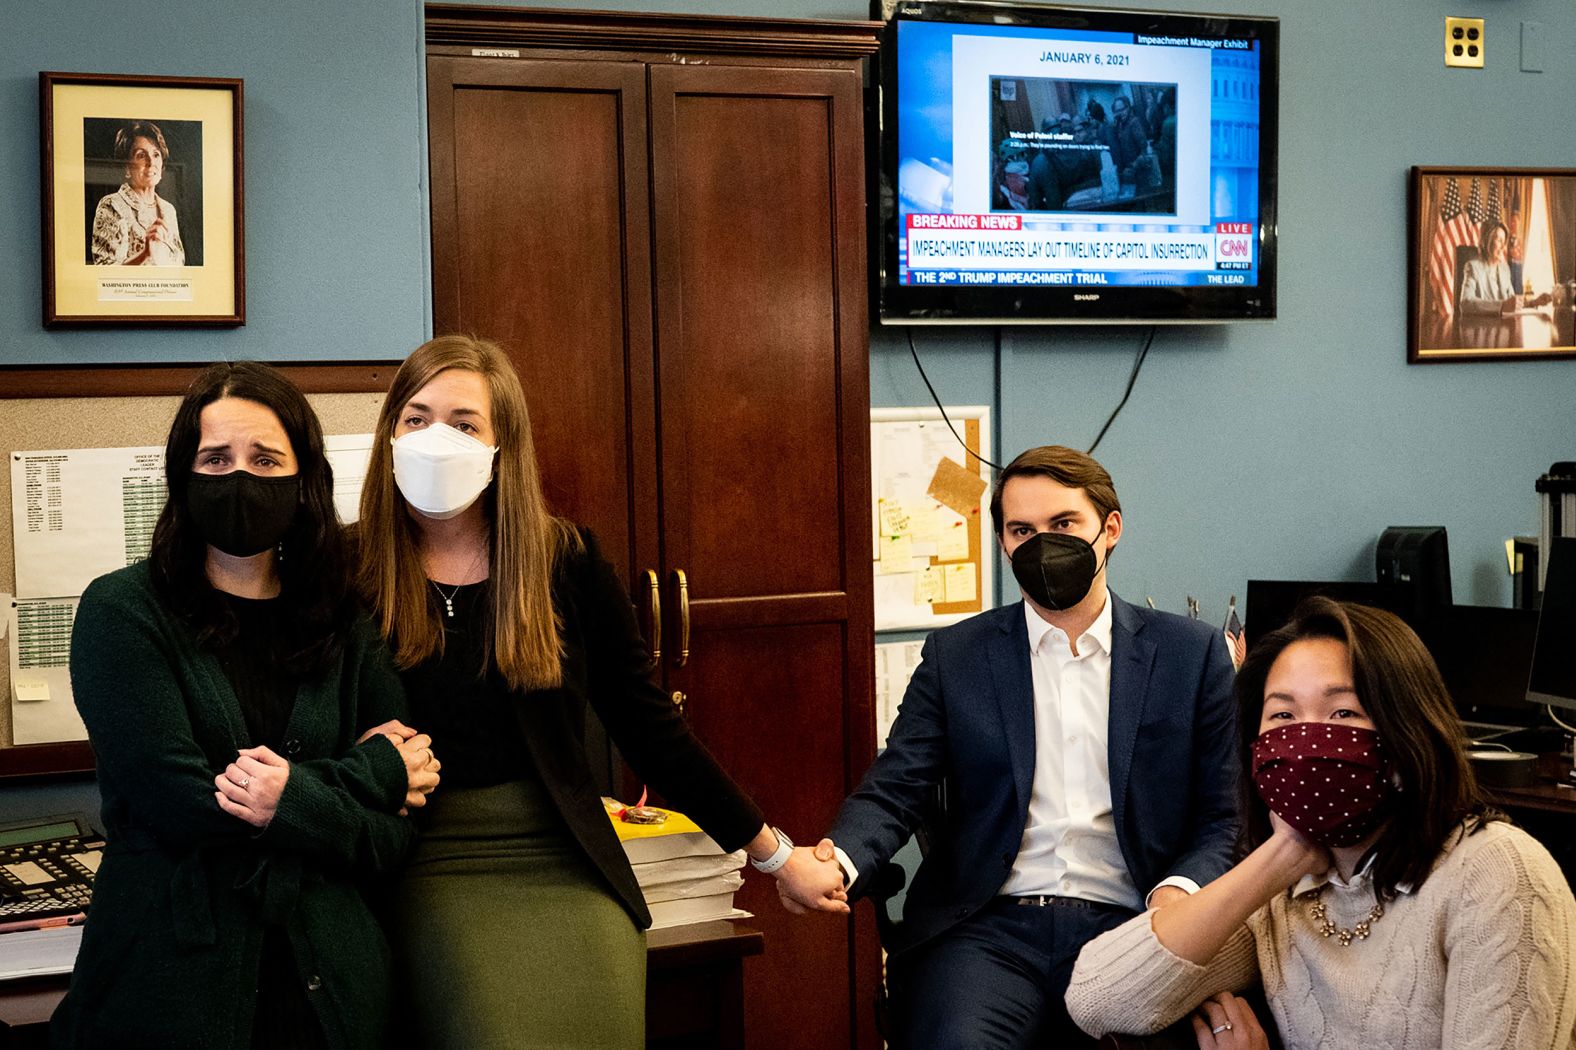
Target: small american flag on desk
column 1236, row 636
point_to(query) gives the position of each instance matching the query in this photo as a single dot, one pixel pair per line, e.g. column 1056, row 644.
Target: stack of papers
column 38, row 953
column 683, row 874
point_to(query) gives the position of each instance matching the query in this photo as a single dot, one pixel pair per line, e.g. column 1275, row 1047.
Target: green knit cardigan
column 171, row 949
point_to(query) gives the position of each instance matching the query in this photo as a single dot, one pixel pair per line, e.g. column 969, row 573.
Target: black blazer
column 968, row 718
column 605, row 665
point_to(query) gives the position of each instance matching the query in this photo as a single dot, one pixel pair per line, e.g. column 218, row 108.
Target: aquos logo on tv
column 1233, row 246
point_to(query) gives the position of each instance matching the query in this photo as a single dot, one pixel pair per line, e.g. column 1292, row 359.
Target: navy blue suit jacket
column 968, row 719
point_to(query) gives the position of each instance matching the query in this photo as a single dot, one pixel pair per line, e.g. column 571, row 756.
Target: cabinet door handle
column 684, row 623
column 656, row 616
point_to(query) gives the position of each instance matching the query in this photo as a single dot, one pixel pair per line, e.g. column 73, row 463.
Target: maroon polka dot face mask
column 1323, row 779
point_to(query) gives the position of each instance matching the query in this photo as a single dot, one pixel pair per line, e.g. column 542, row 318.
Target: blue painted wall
column 1278, row 449
column 336, row 246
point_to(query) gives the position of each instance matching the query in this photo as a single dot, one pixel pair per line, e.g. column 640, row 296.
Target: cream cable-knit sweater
column 1478, row 956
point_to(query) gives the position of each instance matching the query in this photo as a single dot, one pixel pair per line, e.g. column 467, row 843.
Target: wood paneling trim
column 160, row 380
column 631, row 31
column 45, row 760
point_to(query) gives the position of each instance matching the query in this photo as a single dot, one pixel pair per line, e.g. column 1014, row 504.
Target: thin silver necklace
column 448, row 599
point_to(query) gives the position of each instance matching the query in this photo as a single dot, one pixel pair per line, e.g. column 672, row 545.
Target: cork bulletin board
column 29, row 424
column 929, row 516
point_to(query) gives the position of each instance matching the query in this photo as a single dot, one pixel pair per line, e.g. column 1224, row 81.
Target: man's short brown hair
column 1065, row 466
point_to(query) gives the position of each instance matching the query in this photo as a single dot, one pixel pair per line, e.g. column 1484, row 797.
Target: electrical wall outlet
column 1464, row 42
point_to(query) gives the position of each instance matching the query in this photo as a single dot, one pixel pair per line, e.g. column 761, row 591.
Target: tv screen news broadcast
column 1048, row 164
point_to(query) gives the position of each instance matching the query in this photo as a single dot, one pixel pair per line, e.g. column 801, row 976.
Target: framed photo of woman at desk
column 142, row 200
column 1492, row 274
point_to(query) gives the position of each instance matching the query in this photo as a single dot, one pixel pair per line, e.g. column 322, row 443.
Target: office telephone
column 46, row 869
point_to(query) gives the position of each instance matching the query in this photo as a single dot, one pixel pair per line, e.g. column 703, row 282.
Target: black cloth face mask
column 1055, row 569
column 240, row 513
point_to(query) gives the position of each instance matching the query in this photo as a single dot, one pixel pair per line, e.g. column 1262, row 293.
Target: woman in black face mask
column 1383, row 903
column 243, row 715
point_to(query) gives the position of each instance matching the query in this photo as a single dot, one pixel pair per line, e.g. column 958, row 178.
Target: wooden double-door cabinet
column 662, row 219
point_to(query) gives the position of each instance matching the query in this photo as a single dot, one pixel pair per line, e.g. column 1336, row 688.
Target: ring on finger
column 1221, row 1028
column 244, row 782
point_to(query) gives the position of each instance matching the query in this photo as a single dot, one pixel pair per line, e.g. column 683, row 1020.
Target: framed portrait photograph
column 1492, row 275
column 142, row 200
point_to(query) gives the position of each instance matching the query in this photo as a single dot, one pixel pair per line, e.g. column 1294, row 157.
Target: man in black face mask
column 1086, row 749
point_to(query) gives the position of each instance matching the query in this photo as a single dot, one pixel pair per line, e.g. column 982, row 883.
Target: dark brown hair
column 314, row 578
column 1065, row 466
column 1400, row 688
column 139, row 129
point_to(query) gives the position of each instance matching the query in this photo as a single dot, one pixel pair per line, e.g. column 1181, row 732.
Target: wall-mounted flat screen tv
column 1046, row 164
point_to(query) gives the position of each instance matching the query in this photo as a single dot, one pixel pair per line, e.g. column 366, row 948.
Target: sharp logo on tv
column 1135, row 152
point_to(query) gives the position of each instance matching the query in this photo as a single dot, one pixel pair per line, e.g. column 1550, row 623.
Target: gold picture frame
column 1492, row 274
column 142, row 200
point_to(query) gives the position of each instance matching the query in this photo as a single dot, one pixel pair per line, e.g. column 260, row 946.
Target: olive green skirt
column 506, row 937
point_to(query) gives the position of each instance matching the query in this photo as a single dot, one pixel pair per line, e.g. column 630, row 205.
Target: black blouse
column 266, row 691
column 606, row 669
column 465, row 705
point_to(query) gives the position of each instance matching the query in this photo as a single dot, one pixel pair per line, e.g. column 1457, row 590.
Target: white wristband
column 777, row 859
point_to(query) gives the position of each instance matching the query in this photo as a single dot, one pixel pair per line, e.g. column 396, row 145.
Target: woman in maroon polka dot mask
column 1380, row 900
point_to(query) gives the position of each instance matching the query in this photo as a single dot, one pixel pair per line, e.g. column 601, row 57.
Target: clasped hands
column 251, row 786
column 812, row 880
column 421, row 765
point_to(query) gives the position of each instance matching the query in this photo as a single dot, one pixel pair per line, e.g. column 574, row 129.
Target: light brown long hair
column 525, row 540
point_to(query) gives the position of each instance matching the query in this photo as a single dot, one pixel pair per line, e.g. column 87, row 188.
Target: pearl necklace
column 1327, row 928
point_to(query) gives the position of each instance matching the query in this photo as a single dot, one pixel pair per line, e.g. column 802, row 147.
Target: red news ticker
column 923, row 221
column 1233, row 227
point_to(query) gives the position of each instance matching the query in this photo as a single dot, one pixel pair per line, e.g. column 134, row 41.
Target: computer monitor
column 1484, row 655
column 1417, row 558
column 1553, row 677
column 1272, row 602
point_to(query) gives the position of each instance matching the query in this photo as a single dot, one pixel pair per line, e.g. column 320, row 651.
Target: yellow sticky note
column 927, row 523
column 929, row 586
column 894, row 519
column 30, row 689
column 952, row 544
column 897, row 552
column 962, row 582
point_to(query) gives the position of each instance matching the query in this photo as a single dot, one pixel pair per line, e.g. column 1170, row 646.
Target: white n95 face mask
column 440, row 470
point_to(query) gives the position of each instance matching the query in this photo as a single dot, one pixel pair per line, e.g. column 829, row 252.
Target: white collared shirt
column 1069, row 846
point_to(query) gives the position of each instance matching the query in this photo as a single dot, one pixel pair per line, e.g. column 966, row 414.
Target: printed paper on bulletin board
column 930, row 508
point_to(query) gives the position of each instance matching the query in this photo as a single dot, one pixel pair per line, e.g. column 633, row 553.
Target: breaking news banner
column 1001, row 249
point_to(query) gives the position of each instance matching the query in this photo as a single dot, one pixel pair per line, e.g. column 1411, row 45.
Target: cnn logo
column 1236, row 248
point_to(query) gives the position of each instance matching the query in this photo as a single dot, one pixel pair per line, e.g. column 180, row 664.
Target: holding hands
column 250, row 786
column 421, row 765
column 812, row 880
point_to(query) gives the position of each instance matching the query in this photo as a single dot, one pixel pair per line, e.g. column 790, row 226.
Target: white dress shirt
column 1069, row 846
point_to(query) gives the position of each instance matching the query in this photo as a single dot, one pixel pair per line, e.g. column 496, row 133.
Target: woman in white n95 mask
column 519, row 922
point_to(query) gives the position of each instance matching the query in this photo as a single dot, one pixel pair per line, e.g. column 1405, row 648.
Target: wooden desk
column 694, row 991
column 1546, row 809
